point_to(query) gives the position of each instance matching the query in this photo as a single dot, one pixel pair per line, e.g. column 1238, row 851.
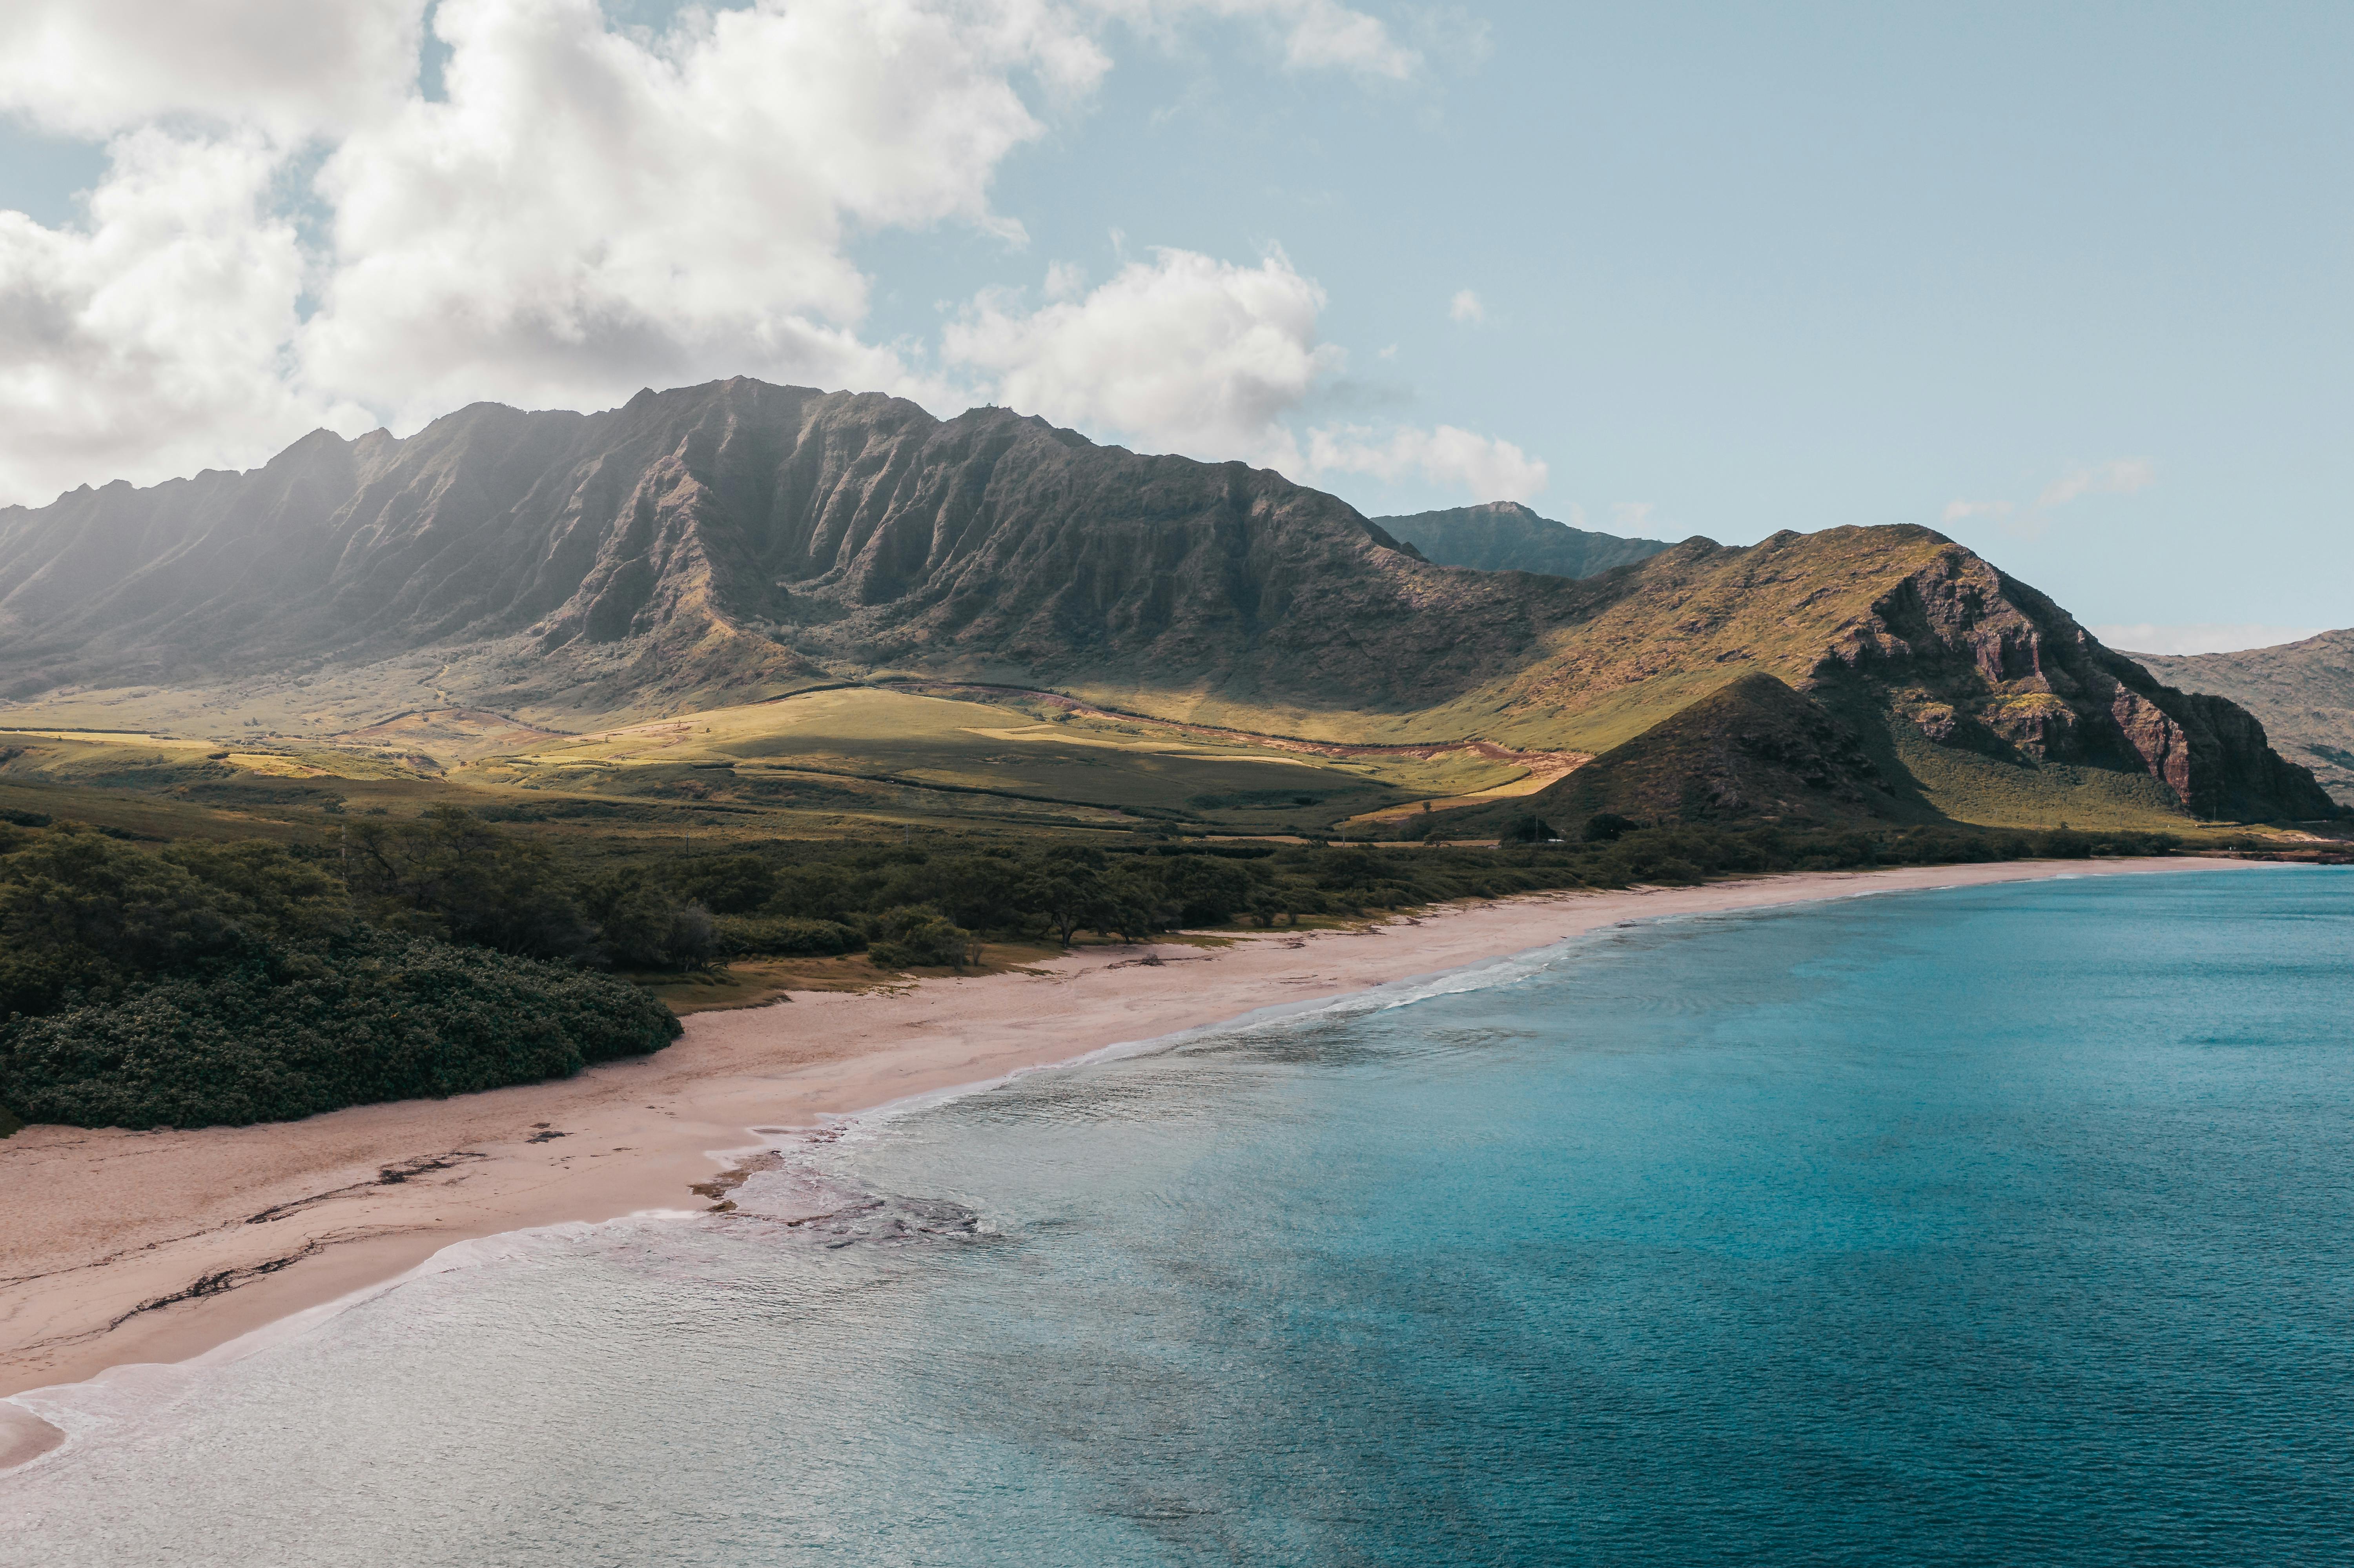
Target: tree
column 1069, row 894
column 917, row 934
column 453, row 875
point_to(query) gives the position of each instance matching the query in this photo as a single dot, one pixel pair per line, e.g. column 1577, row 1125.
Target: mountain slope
column 722, row 544
column 2303, row 693
column 738, row 534
column 1754, row 748
column 1506, row 536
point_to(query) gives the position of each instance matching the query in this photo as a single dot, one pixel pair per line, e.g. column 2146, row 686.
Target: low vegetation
column 913, row 906
column 149, row 981
column 205, row 983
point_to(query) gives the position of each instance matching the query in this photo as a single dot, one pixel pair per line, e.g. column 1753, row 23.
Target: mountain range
column 736, row 541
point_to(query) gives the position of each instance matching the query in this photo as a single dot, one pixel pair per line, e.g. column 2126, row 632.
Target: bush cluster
column 201, row 983
column 233, row 983
column 841, row 897
column 454, row 876
column 290, row 1033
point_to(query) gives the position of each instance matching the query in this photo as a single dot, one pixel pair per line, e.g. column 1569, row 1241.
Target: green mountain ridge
column 1506, row 536
column 721, row 545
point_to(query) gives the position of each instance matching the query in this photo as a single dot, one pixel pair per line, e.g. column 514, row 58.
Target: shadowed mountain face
column 1754, row 748
column 2303, row 692
column 1506, row 536
column 725, row 543
column 741, row 536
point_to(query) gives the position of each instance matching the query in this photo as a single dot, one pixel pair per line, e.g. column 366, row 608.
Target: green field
column 864, row 748
column 819, row 764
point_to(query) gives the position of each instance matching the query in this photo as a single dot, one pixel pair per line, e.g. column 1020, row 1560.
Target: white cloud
column 291, row 68
column 1488, row 468
column 152, row 342
column 1184, row 352
column 1326, row 33
column 1465, row 307
column 585, row 209
column 1959, row 510
column 588, row 211
column 2202, row 637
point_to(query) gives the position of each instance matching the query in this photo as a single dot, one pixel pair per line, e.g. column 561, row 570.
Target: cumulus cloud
column 582, row 210
column 122, row 343
column 588, row 208
column 1488, row 468
column 290, row 68
column 1187, row 353
column 1193, row 354
column 1465, row 308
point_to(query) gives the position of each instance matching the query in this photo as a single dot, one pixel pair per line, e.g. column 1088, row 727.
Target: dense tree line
column 202, row 983
column 195, row 983
column 914, row 905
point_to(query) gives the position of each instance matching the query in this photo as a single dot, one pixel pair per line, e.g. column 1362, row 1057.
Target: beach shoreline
column 128, row 1247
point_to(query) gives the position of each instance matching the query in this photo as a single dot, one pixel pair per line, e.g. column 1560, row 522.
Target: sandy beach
column 125, row 1248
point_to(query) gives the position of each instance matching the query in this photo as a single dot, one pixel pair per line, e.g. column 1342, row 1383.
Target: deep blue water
column 2006, row 1225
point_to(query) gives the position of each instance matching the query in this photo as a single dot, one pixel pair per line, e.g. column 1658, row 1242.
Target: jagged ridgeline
column 721, row 545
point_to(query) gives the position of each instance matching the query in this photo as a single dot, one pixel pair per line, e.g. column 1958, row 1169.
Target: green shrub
column 911, row 937
column 783, row 935
column 290, row 1034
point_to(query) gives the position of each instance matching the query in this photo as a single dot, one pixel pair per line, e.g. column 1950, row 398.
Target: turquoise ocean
column 2012, row 1225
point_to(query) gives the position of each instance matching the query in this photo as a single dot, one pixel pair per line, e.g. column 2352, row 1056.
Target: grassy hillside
column 1026, row 757
column 2303, row 692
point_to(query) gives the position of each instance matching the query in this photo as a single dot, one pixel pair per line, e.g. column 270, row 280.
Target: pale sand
column 245, row 1225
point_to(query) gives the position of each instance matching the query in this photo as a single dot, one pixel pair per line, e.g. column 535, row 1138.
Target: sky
column 2066, row 282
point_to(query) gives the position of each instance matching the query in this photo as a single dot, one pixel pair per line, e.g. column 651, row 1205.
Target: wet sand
column 125, row 1248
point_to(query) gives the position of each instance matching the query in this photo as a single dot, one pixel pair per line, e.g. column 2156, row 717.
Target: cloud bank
column 293, row 231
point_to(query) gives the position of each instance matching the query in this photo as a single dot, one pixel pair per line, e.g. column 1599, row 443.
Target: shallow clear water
column 2000, row 1225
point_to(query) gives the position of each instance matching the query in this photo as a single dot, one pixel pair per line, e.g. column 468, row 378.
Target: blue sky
column 2067, row 282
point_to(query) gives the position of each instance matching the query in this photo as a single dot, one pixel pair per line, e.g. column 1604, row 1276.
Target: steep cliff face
column 722, row 542
column 721, row 536
column 1978, row 659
